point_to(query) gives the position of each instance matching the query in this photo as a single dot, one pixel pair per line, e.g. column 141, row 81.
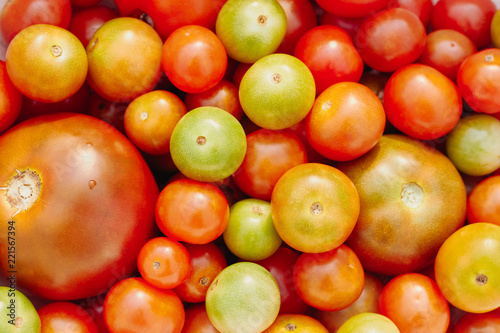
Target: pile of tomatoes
column 250, row 166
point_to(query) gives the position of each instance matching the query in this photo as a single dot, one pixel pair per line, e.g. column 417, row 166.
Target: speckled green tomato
column 495, row 29
column 277, row 91
column 368, row 323
column 18, row 315
column 474, row 145
column 243, row 298
column 250, row 232
column 208, row 144
column 251, row 29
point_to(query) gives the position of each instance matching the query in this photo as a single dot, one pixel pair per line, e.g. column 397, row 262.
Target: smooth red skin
column 478, row 323
column 470, row 17
column 415, row 304
column 11, row 100
column 207, row 261
column 174, row 260
column 483, row 203
column 19, row 14
column 224, row 95
column 348, row 24
column 421, row 102
column 194, row 59
column 85, row 22
column 197, row 320
column 330, row 280
column 58, row 317
column 352, row 8
column 84, row 3
column 111, row 112
column 477, row 81
column 422, row 8
column 240, row 70
column 133, row 305
column 330, row 55
column 191, row 211
column 281, row 265
column 270, row 153
column 390, row 39
column 445, row 50
column 169, row 15
column 300, row 17
column 78, row 103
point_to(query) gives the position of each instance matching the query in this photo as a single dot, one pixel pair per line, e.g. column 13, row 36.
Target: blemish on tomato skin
column 290, row 327
column 19, row 322
column 481, row 279
column 92, row 184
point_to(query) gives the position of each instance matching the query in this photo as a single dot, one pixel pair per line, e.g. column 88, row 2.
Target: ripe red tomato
column 330, row 55
column 197, row 320
column 483, row 203
column 59, row 317
column 194, row 58
column 421, row 8
column 10, row 100
column 85, row 22
column 133, row 305
column 390, row 39
column 421, row 102
column 478, row 323
column 348, row 24
column 82, row 204
column 352, row 8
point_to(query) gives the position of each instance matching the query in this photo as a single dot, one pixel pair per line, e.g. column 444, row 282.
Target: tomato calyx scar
column 290, row 327
column 23, row 190
column 412, row 195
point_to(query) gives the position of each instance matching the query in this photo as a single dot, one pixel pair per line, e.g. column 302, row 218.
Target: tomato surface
column 197, row 320
column 59, row 317
column 352, row 8
column 11, row 100
column 483, row 203
column 82, row 190
column 17, row 310
column 297, row 323
column 85, row 22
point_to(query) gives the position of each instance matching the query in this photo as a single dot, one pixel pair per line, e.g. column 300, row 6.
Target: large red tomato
column 79, row 200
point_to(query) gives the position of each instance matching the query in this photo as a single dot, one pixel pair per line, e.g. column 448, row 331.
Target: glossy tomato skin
column 65, row 317
column 422, row 8
column 348, row 24
column 19, row 14
column 421, row 102
column 134, row 305
column 295, row 322
column 478, row 322
column 470, row 17
column 409, row 298
column 197, row 320
column 85, row 22
column 97, row 193
column 483, row 203
column 412, row 198
column 390, row 39
column 329, row 53
column 352, row 8
column 11, row 100
column 167, row 16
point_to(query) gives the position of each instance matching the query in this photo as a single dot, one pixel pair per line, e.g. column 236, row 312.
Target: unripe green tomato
column 18, row 315
column 251, row 29
column 368, row 323
column 250, row 232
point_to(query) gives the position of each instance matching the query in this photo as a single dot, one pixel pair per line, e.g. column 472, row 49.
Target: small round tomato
column 390, row 39
column 17, row 311
column 208, row 144
column 85, row 22
column 421, row 8
column 314, row 207
column 445, row 50
column 467, row 268
column 330, row 55
column 299, row 323
column 61, row 317
column 19, row 14
column 194, row 58
column 163, row 262
column 470, row 17
column 191, row 211
column 331, row 280
column 421, row 102
column 352, row 8
column 408, row 298
column 478, row 78
column 207, row 261
column 346, row 121
column 270, row 153
column 349, row 24
column 46, row 63
column 243, row 297
column 197, row 320
column 149, row 120
column 133, row 305
column 10, row 100
column 251, row 29
column 368, row 323
column 135, row 66
column 478, row 323
column 483, row 203
column 474, row 145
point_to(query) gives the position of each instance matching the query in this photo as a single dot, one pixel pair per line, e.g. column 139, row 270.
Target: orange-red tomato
column 61, row 317
column 10, row 100
column 85, row 22
column 352, row 8
column 197, row 320
column 483, row 203
column 478, row 323
column 299, row 323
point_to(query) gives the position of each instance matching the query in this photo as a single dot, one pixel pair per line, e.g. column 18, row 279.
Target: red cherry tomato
column 348, row 24
column 478, row 323
column 352, row 8
column 421, row 8
column 61, row 317
column 10, row 100
column 197, row 320
column 483, row 203
column 85, row 22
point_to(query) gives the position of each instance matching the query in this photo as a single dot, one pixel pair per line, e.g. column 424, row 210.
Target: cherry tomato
column 85, row 22
column 285, row 323
column 483, row 203
column 478, row 322
column 11, row 100
column 421, row 8
column 197, row 320
column 191, row 211
column 352, row 8
column 349, row 24
column 134, row 305
column 368, row 323
column 495, row 29
column 61, row 317
column 19, row 314
column 330, row 280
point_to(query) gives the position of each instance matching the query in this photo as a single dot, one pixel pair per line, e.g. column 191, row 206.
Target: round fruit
column 18, row 313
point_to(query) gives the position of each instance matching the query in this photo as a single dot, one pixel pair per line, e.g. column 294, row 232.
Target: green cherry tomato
column 251, row 29
column 277, row 91
column 368, row 323
column 495, row 29
column 208, row 144
column 250, row 232
column 243, row 298
column 474, row 145
column 18, row 315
